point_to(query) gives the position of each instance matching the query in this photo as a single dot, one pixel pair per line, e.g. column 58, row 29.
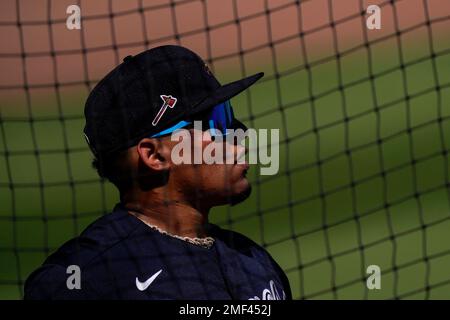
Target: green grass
column 287, row 213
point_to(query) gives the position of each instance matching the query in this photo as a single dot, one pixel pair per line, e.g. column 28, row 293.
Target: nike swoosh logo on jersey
column 144, row 285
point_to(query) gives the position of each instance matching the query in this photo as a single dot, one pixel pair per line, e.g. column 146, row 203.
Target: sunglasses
column 218, row 120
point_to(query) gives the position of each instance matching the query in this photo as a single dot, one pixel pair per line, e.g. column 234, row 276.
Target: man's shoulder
column 251, row 251
column 99, row 238
column 235, row 240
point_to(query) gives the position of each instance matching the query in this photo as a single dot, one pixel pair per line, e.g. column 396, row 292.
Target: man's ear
column 154, row 154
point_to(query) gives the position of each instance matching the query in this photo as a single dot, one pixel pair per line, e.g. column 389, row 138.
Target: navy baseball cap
column 150, row 92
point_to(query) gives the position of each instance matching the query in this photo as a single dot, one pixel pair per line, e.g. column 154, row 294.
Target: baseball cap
column 150, row 92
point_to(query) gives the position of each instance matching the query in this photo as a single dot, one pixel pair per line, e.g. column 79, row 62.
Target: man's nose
column 241, row 150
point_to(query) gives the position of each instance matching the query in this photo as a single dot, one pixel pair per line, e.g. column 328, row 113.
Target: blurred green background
column 363, row 179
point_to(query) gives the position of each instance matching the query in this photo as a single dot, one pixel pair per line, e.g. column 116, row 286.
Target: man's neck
column 175, row 216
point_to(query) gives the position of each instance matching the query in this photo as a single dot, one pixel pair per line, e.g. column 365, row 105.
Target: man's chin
column 241, row 196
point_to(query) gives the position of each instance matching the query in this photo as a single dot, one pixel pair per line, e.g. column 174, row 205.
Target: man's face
column 212, row 184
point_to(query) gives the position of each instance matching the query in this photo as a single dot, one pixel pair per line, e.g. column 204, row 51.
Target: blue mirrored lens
column 221, row 118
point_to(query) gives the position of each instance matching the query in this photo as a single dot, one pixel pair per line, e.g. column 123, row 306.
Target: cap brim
column 238, row 125
column 227, row 91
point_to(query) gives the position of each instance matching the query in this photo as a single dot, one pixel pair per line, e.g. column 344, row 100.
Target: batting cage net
column 363, row 115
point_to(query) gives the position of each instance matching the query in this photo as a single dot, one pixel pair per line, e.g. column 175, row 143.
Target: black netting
column 363, row 118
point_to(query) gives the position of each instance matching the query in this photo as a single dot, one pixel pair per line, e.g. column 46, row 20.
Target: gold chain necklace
column 206, row 242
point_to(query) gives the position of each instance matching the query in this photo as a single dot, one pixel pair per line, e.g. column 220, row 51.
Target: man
column 157, row 243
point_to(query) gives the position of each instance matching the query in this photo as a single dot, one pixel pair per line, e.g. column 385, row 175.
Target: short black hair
column 116, row 169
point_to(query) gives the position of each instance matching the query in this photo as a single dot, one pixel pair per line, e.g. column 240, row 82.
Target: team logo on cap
column 169, row 102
